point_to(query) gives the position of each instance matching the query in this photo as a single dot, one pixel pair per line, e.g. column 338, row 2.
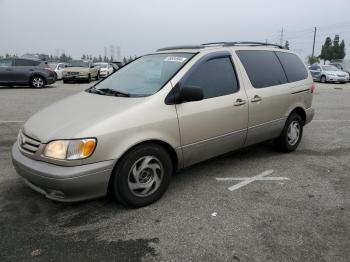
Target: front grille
column 28, row 144
column 72, row 73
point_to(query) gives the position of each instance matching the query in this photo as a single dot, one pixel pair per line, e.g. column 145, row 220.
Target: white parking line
column 248, row 180
column 331, row 120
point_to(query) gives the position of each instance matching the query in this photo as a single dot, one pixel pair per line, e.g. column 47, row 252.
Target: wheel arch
column 300, row 111
column 37, row 74
column 171, row 151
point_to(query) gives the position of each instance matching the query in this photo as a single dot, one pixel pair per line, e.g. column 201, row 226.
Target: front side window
column 263, row 68
column 146, row 75
column 216, row 77
column 5, row 62
column 293, row 66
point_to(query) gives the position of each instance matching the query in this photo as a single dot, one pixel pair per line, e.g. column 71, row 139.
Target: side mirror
column 188, row 94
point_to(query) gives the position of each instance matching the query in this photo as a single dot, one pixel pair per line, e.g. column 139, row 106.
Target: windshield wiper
column 113, row 92
column 95, row 91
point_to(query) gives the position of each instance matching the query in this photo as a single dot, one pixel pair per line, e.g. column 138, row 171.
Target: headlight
column 64, row 73
column 70, row 149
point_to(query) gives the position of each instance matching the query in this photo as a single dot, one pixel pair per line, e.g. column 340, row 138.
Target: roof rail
column 252, row 44
column 225, row 44
column 181, row 47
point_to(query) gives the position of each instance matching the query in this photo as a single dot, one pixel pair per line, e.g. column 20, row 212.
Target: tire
column 98, row 76
column 37, row 82
column 89, row 79
column 142, row 175
column 65, row 81
column 291, row 135
column 323, row 79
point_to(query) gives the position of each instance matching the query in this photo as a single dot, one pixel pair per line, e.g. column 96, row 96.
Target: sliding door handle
column 256, row 98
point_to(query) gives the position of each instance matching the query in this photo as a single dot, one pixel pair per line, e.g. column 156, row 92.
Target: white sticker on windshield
column 175, row 59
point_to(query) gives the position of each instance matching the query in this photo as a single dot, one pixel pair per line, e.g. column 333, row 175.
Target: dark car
column 24, row 71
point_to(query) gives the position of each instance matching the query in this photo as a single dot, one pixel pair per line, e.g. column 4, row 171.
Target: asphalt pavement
column 300, row 212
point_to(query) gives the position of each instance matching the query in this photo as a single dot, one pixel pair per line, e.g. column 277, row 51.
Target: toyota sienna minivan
column 127, row 135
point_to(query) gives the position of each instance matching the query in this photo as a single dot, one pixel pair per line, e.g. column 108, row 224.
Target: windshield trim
column 138, row 95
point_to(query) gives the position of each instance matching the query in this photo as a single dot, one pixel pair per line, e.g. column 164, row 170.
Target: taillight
column 313, row 88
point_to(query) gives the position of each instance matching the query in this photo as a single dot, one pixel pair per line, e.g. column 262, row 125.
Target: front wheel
column 142, row 175
column 37, row 82
column 323, row 79
column 89, row 79
column 291, row 135
column 98, row 76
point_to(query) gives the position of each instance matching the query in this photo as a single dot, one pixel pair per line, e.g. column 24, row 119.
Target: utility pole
column 281, row 38
column 313, row 46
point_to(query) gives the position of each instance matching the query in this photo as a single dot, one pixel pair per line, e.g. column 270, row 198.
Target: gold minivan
column 129, row 133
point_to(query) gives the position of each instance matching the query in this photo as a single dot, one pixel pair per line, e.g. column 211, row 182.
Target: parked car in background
column 342, row 65
column 165, row 111
column 105, row 69
column 327, row 73
column 80, row 70
column 58, row 68
column 24, row 71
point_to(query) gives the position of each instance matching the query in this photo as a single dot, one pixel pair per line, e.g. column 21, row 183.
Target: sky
column 141, row 26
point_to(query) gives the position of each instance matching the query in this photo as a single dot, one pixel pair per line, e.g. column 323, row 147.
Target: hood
column 76, row 69
column 75, row 116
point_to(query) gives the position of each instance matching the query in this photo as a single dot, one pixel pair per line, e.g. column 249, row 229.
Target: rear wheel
column 142, row 175
column 323, row 79
column 37, row 82
column 291, row 135
column 89, row 79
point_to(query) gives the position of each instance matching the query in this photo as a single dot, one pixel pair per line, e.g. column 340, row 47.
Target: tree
column 105, row 59
column 313, row 59
column 125, row 61
column 99, row 58
column 327, row 50
column 286, row 45
column 83, row 57
column 333, row 50
column 342, row 53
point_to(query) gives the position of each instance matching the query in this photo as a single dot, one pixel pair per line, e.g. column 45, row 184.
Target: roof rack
column 224, row 44
column 252, row 44
column 181, row 47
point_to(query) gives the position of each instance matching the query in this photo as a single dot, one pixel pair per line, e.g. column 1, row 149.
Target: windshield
column 146, row 75
column 53, row 65
column 101, row 65
column 78, row 63
column 329, row 68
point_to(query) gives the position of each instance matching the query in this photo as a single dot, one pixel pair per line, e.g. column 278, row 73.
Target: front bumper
column 61, row 183
column 336, row 79
column 75, row 77
column 103, row 73
column 310, row 113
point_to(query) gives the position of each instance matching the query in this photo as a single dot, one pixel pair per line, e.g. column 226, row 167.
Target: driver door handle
column 256, row 98
column 239, row 102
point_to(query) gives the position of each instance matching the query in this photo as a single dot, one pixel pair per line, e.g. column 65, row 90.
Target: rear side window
column 216, row 77
column 5, row 62
column 263, row 68
column 293, row 66
column 26, row 62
